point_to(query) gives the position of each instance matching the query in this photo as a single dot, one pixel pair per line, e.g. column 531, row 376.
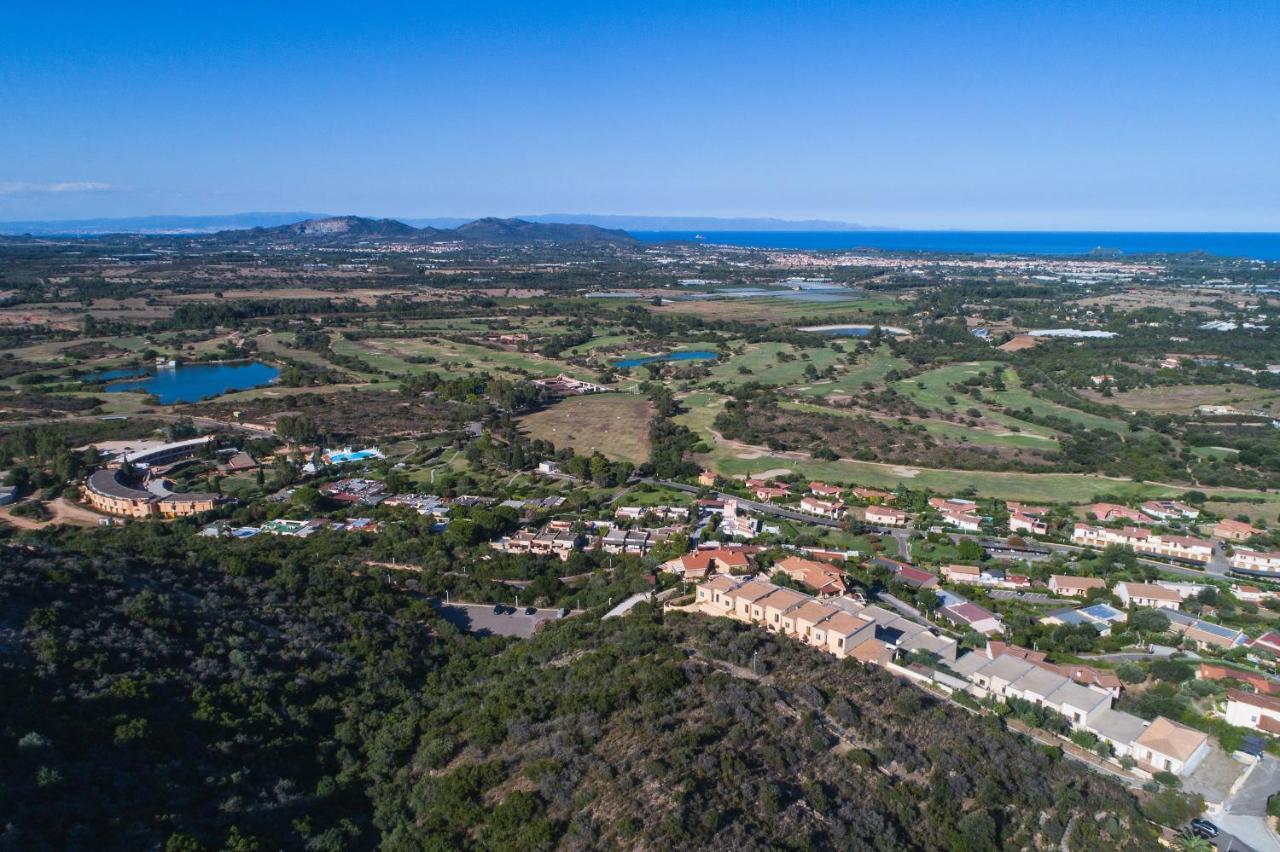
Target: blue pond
column 696, row 355
column 192, row 382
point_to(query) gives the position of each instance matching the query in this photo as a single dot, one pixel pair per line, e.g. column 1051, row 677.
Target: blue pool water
column 192, row 382
column 342, row 457
column 696, row 355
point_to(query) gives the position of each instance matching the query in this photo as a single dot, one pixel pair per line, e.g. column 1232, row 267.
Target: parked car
column 1204, row 828
column 531, row 610
column 498, row 609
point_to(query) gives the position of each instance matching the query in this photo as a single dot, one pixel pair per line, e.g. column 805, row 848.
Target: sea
column 1253, row 246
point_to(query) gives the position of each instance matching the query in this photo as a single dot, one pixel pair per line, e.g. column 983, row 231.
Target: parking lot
column 481, row 620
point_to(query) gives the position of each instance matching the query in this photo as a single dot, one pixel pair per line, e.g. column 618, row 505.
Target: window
column 839, row 643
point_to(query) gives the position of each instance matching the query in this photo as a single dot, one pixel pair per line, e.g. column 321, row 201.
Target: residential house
column 770, row 608
column 821, row 489
column 952, row 504
column 1256, row 562
column 871, row 495
column 916, row 577
column 769, row 493
column 1076, row 587
column 1181, row 548
column 801, row 621
column 962, row 520
column 845, row 632
column 973, row 617
column 1251, row 594
column 970, row 574
column 1170, row 510
column 1205, row 633
column 716, row 593
column 886, row 516
column 1110, row 513
column 818, row 576
column 1118, row 729
column 1147, row 594
column 1231, row 530
column 745, row 596
column 1261, row 683
column 1249, row 710
column 701, row 563
column 1022, row 522
column 811, row 620
column 1268, row 642
column 833, row 509
column 1166, row 746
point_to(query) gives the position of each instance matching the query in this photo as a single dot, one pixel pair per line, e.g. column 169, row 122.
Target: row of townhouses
column 841, row 626
column 1159, row 746
column 1179, row 547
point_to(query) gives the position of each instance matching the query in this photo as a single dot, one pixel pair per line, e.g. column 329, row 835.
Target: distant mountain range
column 175, row 225
column 194, row 225
column 700, row 223
column 339, row 230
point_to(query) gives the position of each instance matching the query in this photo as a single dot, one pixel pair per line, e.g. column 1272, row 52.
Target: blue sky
column 1126, row 115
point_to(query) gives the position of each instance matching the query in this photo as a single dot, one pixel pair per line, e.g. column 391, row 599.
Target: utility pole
column 754, row 656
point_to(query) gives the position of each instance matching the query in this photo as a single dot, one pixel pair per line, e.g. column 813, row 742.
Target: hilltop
column 353, row 229
column 289, row 704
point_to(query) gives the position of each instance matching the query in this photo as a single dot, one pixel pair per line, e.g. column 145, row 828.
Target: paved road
column 1217, row 567
column 625, row 607
column 1244, row 814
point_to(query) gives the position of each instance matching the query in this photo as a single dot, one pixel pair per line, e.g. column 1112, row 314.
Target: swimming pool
column 345, row 456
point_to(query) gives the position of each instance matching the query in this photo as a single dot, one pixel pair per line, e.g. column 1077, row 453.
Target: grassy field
column 1183, row 399
column 773, row 308
column 870, row 369
column 953, row 431
column 598, row 342
column 761, row 359
column 938, row 385
column 616, row 425
column 385, row 353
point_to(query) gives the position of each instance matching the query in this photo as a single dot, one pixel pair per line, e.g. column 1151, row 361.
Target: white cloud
column 28, row 188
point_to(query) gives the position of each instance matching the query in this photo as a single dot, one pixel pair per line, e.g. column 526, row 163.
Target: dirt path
column 63, row 512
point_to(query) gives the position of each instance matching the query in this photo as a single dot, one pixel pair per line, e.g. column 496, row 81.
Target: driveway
column 1244, row 814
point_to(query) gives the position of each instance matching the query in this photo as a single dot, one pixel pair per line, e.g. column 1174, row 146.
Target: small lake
column 193, row 382
column 695, row 355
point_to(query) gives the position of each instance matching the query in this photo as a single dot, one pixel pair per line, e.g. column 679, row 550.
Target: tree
column 1188, row 842
column 1131, row 673
column 306, row 496
column 969, row 550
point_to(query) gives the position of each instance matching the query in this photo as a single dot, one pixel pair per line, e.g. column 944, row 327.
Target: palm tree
column 1188, row 842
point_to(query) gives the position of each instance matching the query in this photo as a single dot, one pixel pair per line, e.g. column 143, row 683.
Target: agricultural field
column 615, row 425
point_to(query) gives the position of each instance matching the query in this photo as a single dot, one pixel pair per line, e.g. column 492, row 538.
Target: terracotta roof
column 844, row 622
column 813, row 612
column 872, row 651
column 1067, row 581
column 1149, row 590
column 1267, row 702
column 1167, row 737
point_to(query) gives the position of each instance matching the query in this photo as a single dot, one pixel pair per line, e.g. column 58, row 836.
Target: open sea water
column 1256, row 246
